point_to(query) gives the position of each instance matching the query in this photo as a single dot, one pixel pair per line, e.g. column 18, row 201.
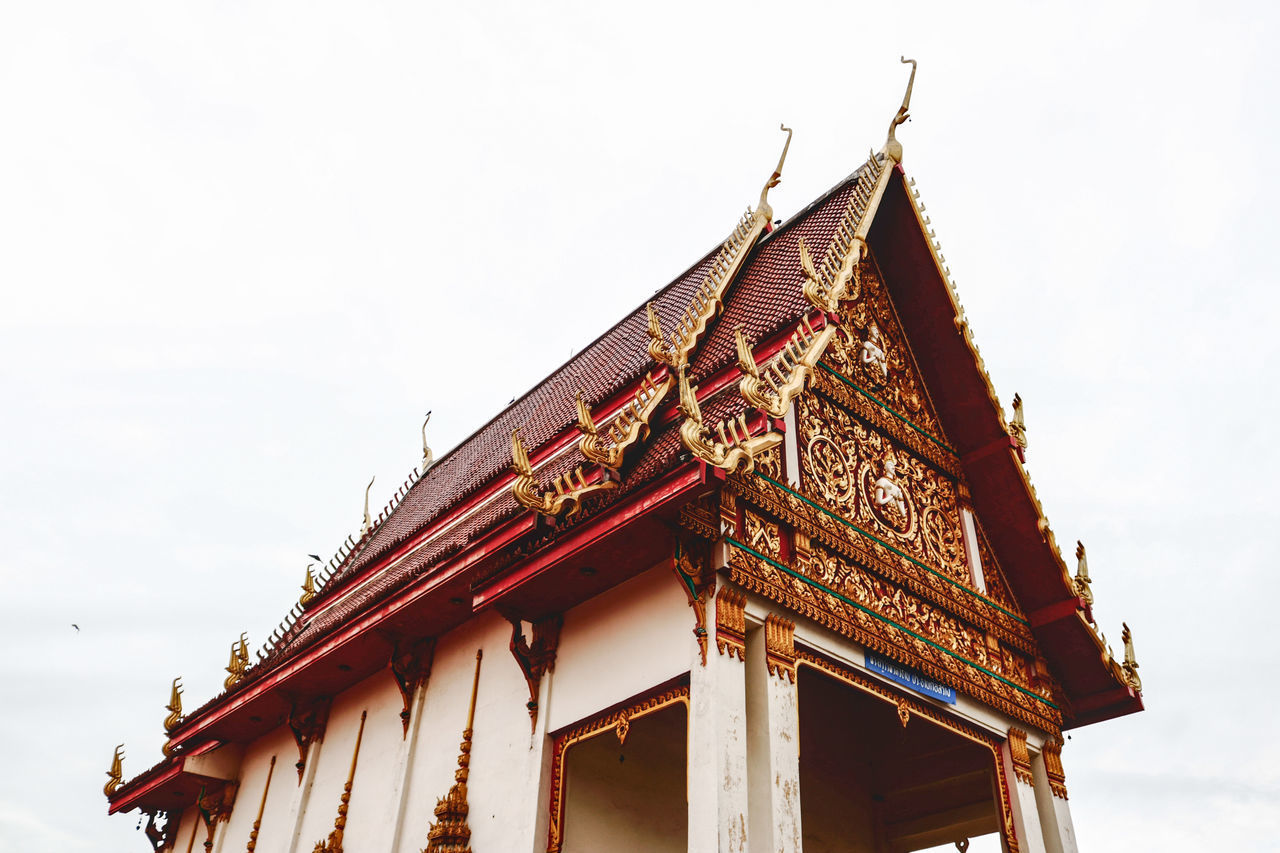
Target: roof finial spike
column 1018, row 426
column 1082, row 580
column 308, row 588
column 892, row 147
column 115, row 776
column 775, row 178
column 427, row 456
column 367, row 525
column 1130, row 665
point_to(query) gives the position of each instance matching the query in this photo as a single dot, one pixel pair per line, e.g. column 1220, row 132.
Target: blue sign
column 910, row 679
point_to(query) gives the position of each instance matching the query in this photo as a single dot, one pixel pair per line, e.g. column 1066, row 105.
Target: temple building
column 760, row 569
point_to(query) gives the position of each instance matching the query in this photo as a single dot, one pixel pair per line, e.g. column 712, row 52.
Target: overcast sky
column 245, row 246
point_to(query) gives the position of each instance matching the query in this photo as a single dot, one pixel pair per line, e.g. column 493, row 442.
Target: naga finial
column 1130, row 665
column 746, row 361
column 427, row 456
column 892, row 147
column 1082, row 580
column 1018, row 426
column 238, row 664
column 308, row 588
column 763, row 207
column 116, row 773
column 174, row 707
column 367, row 524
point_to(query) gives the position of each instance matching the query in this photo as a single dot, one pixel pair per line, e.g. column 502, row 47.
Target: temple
column 760, row 569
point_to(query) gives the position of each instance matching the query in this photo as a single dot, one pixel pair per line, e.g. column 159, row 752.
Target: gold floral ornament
column 787, row 373
column 115, row 775
column 568, row 489
column 627, row 427
column 1130, row 665
column 238, row 664
column 674, row 350
column 729, row 444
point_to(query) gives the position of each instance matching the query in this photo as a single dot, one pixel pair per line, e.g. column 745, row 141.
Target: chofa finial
column 1130, row 665
column 238, row 664
column 892, row 147
column 116, row 773
column 308, row 588
column 1018, row 426
column 367, row 524
column 1082, row 580
column 427, row 457
column 774, row 179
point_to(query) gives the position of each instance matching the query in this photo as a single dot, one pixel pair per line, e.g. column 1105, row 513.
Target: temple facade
column 759, row 570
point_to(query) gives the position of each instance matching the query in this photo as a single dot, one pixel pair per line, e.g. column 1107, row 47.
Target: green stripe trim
column 811, row 582
column 873, row 398
column 879, row 541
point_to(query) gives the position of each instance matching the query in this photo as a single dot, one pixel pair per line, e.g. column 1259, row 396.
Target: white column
column 404, row 765
column 1051, row 799
column 1022, row 793
column 773, row 745
column 717, row 759
column 298, row 806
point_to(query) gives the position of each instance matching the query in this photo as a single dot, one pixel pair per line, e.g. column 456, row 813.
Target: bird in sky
column 316, row 557
column 77, row 627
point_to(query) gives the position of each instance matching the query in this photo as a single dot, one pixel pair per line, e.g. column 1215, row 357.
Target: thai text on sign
column 910, row 679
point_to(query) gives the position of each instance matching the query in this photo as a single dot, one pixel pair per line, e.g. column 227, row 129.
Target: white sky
column 244, row 246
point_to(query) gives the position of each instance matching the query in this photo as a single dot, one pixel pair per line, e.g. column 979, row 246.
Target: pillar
column 1022, row 792
column 1051, row 799
column 773, row 753
column 717, row 754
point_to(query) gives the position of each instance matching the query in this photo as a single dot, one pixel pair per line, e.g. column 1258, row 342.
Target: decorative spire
column 115, row 775
column 892, row 147
column 308, row 588
column 262, row 804
column 333, row 844
column 1082, row 580
column 367, row 525
column 763, row 207
column 1018, row 426
column 450, row 833
column 1130, row 665
column 427, row 457
column 175, row 714
column 239, row 661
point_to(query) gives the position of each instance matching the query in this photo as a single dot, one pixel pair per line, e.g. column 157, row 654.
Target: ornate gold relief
column 238, row 663
column 569, row 488
column 780, row 647
column 628, row 426
column 619, row 722
column 888, row 620
column 536, row 658
column 410, row 666
column 730, row 445
column 700, row 517
column 693, row 570
column 333, row 844
column 872, row 353
column 675, row 350
column 763, row 535
column 1020, row 756
column 731, row 623
column 787, row 373
column 1052, row 753
column 115, row 774
column 262, row 805
column 880, row 486
column 307, row 721
column 450, row 832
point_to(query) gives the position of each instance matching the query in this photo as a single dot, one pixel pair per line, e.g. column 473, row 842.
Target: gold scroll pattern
column 872, row 351
column 812, row 526
column 882, row 617
column 881, row 487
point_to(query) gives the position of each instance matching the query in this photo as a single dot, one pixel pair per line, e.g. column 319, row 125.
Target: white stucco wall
column 621, row 643
column 273, row 835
